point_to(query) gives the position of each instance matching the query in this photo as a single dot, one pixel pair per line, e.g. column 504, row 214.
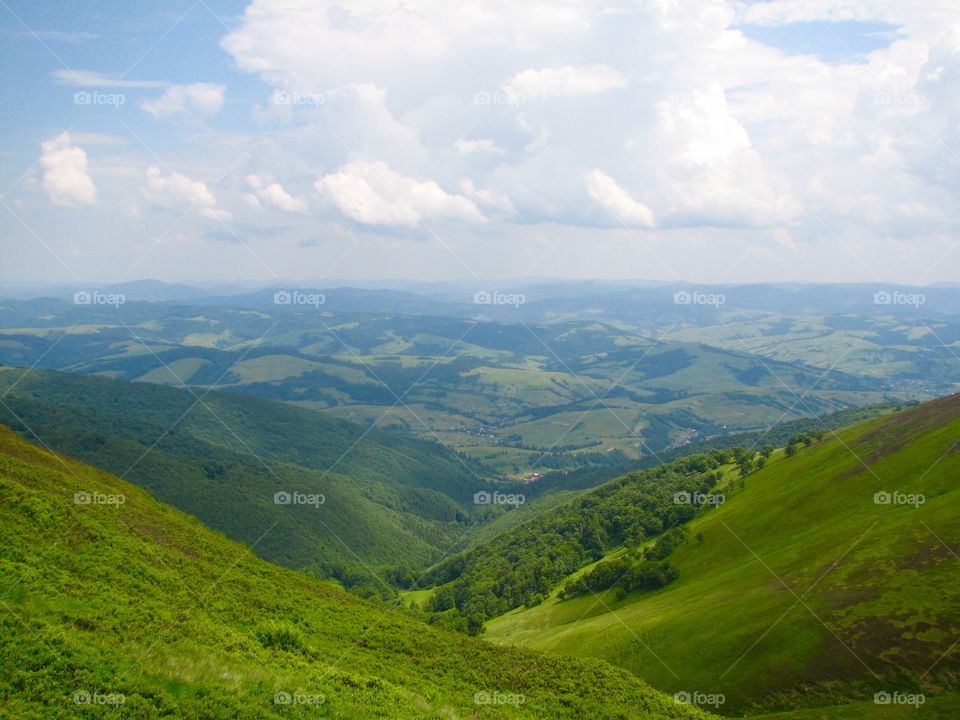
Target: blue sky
column 705, row 140
column 841, row 42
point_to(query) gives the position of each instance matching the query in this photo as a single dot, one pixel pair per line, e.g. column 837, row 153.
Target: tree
column 475, row 625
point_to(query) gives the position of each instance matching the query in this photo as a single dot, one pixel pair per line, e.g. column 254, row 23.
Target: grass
column 880, row 597
column 134, row 602
column 176, row 373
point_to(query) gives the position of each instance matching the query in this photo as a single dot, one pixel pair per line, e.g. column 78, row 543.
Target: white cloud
column 701, row 126
column 475, row 147
column 88, row 78
column 564, row 81
column 710, row 172
column 273, row 194
column 487, row 198
column 65, row 176
column 398, row 44
column 373, row 194
column 783, row 12
column 178, row 192
column 201, row 98
column 608, row 194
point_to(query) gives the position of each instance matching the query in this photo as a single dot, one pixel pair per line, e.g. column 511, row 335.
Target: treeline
column 524, row 565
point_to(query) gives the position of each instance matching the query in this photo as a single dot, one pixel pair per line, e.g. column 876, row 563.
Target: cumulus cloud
column 564, row 81
column 65, row 176
column 398, row 44
column 608, row 194
column 781, row 12
column 487, row 198
column 710, row 172
column 200, row 98
column 373, row 194
column 755, row 121
column 178, row 192
column 270, row 193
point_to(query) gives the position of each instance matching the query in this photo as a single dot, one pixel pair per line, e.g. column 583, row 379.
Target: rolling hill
column 825, row 577
column 114, row 605
column 515, row 396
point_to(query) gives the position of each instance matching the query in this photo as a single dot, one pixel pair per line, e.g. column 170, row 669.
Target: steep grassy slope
column 123, row 607
column 388, row 500
column 801, row 589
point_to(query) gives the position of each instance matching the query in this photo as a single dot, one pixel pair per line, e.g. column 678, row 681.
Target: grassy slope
column 390, row 500
column 143, row 601
column 884, row 580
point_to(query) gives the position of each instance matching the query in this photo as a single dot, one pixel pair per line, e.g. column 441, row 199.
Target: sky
column 715, row 141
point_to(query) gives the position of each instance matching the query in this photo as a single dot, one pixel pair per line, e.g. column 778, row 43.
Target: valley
column 131, row 608
column 568, row 493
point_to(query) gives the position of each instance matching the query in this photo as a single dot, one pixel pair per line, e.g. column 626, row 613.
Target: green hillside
column 117, row 606
column 387, row 500
column 804, row 589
